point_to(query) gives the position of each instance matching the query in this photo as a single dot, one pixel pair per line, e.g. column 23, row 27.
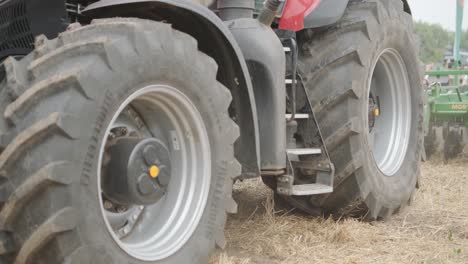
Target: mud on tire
column 61, row 98
column 336, row 64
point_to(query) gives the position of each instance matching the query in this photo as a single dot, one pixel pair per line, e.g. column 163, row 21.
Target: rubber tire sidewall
column 393, row 190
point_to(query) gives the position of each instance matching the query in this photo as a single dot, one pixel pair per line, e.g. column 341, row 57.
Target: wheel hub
column 138, row 171
column 373, row 111
column 158, row 132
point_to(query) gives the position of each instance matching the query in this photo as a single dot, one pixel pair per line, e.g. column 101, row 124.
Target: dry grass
column 433, row 230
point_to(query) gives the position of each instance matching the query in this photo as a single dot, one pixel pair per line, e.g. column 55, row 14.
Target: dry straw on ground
column 434, row 229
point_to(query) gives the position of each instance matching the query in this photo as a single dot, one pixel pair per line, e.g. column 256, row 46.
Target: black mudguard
column 265, row 58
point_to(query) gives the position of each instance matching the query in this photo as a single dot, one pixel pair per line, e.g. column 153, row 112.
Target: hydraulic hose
column 269, row 11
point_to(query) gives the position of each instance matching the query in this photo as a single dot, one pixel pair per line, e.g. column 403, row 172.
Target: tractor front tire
column 65, row 99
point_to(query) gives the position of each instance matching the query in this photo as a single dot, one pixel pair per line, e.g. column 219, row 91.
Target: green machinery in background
column 447, row 105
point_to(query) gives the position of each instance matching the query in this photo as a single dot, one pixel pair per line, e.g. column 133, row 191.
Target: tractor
column 126, row 122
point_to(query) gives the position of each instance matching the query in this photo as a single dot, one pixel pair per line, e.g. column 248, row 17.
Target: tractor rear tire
column 63, row 99
column 338, row 65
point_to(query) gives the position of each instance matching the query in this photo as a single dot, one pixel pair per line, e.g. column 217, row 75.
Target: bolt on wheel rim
column 156, row 231
column 389, row 110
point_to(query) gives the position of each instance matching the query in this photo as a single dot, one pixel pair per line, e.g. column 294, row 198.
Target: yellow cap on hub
column 376, row 112
column 154, row 171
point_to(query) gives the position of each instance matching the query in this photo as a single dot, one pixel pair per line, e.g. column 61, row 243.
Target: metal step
column 287, row 49
column 289, row 81
column 298, row 116
column 285, row 185
column 310, row 189
column 304, row 151
column 311, row 166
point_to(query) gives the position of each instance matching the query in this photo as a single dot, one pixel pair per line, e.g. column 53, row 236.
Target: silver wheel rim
column 156, row 231
column 389, row 134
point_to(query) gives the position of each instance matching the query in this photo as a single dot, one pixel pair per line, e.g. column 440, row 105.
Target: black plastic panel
column 22, row 20
column 15, row 33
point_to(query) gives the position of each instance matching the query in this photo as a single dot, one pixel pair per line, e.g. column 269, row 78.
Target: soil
column 433, row 229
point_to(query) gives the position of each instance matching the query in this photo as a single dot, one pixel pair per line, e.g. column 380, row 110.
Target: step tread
column 304, row 151
column 298, row 116
column 311, row 189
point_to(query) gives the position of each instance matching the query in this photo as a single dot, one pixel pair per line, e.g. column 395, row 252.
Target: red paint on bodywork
column 294, row 13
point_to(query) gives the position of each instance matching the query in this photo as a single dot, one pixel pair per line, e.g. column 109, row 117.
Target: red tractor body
column 295, row 12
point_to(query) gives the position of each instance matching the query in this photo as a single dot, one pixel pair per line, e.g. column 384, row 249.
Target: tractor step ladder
column 314, row 161
column 295, row 157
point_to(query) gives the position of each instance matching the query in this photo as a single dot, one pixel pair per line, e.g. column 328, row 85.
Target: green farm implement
column 447, row 105
column 447, row 108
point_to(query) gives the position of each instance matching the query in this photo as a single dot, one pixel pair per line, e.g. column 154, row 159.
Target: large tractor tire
column 363, row 80
column 119, row 148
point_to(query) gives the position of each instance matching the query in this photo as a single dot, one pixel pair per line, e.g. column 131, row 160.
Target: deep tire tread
column 54, row 173
column 32, row 81
column 44, row 88
column 335, row 99
column 63, row 220
column 327, row 56
column 54, row 123
column 342, row 133
column 46, row 62
column 7, row 245
column 16, row 79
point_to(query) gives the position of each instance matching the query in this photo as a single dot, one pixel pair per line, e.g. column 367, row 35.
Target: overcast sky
column 438, row 11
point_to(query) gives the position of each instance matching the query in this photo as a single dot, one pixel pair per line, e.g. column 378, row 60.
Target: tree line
column 435, row 41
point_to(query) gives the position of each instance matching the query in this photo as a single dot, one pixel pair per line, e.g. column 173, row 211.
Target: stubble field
column 434, row 229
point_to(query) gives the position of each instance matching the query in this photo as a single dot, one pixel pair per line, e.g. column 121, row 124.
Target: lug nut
column 107, row 205
column 122, row 131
